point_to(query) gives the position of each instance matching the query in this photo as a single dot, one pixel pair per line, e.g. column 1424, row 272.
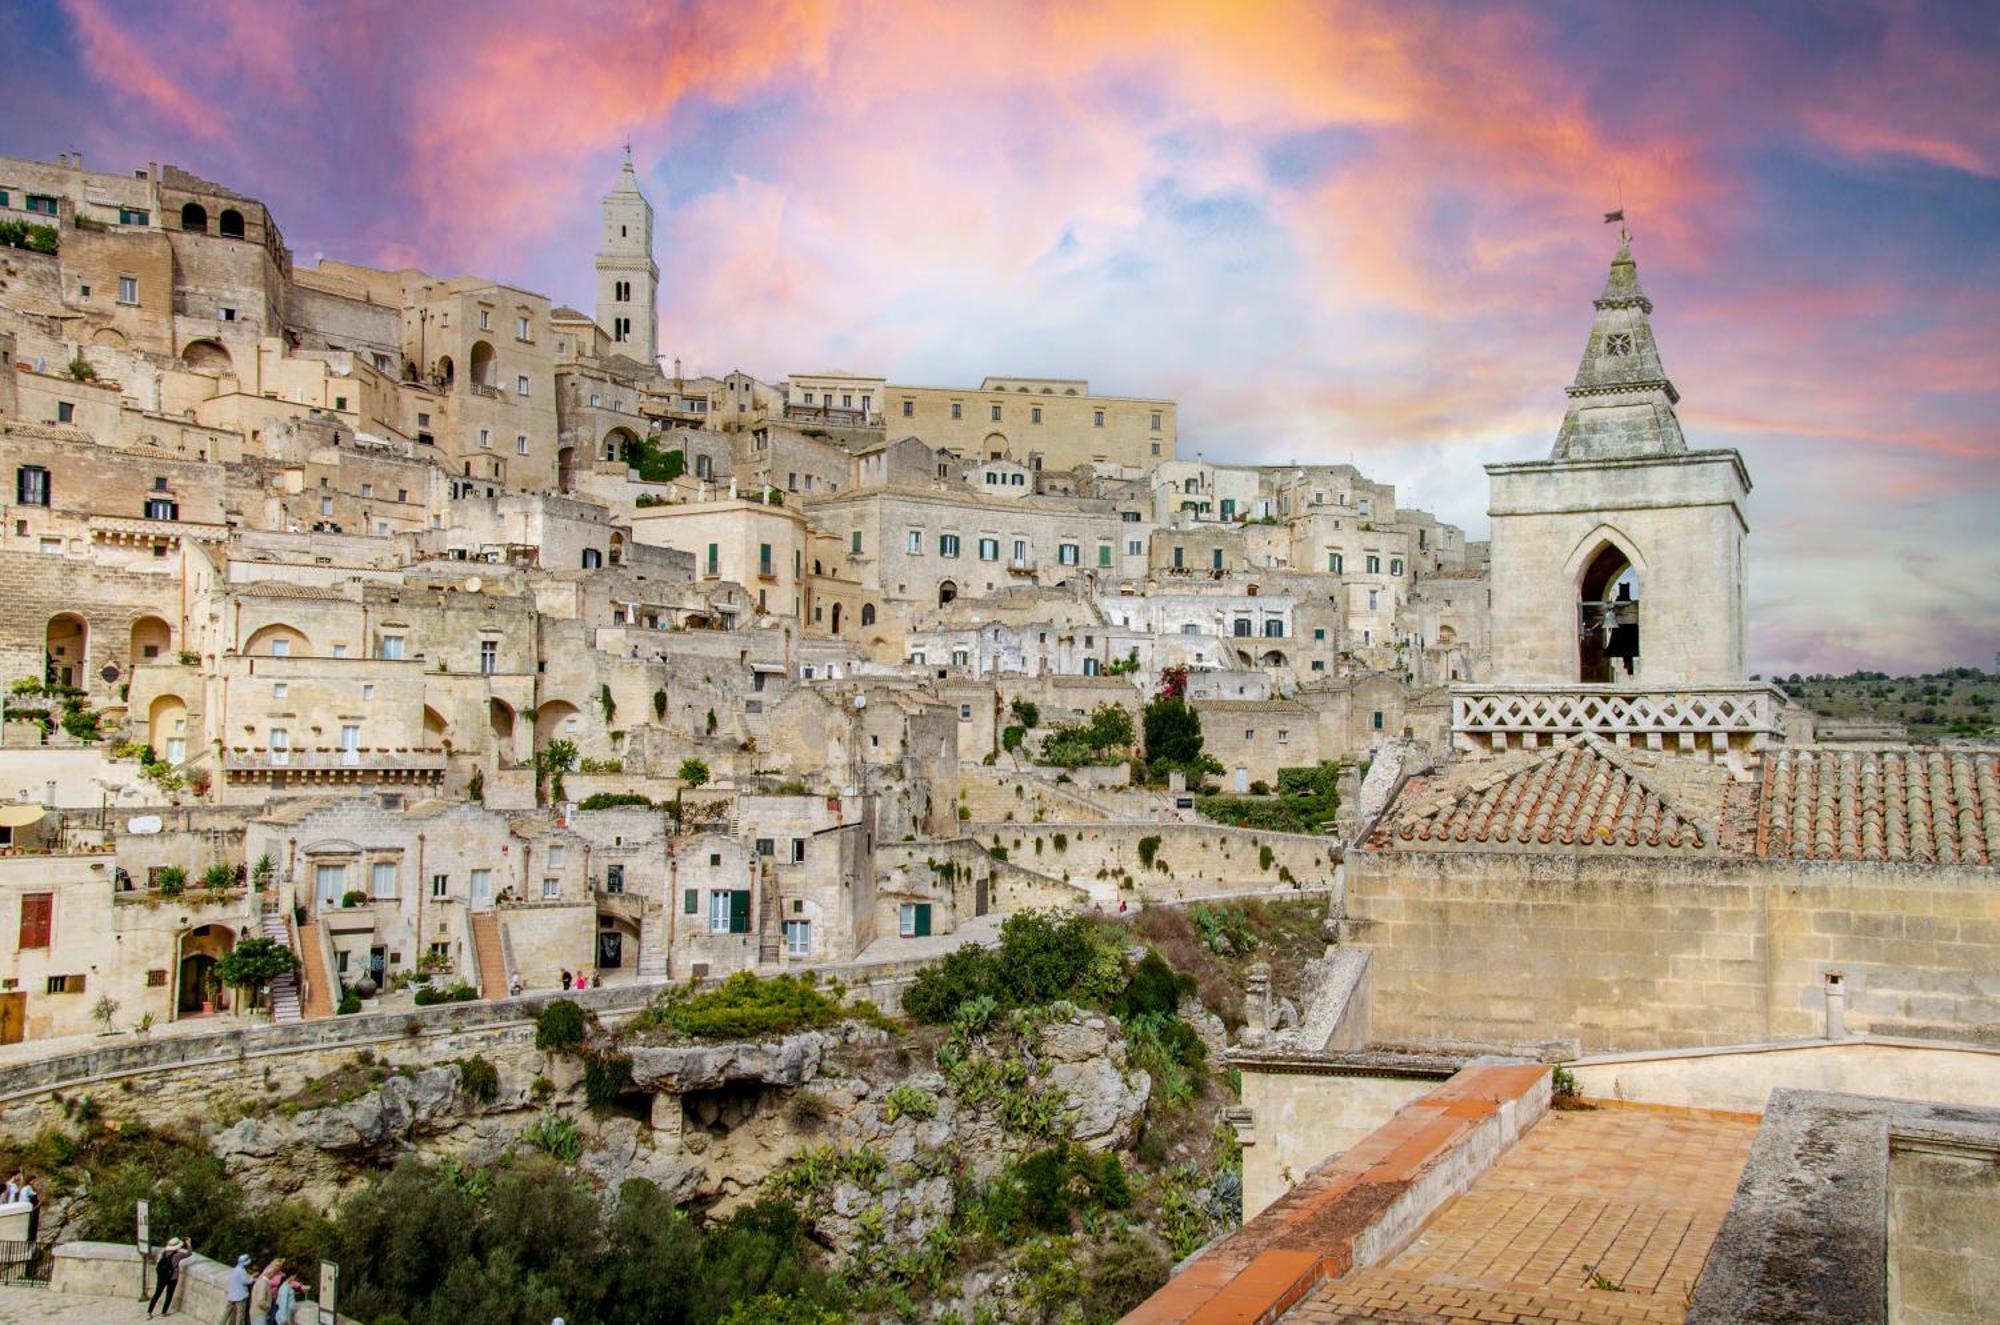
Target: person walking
column 567, row 980
column 236, row 1300
column 287, row 1304
column 25, row 1191
column 266, row 1292
column 167, row 1274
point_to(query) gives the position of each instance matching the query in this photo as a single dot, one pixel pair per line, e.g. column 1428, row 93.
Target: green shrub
column 605, row 1078
column 612, row 800
column 350, row 1003
column 1149, row 850
column 171, row 881
column 478, row 1079
column 1127, row 1271
column 910, row 1101
column 556, row 1137
column 770, row 1309
column 561, row 1026
column 217, row 876
column 1155, row 989
column 743, row 1007
column 1043, row 956
column 1026, row 712
column 458, row 991
column 353, row 897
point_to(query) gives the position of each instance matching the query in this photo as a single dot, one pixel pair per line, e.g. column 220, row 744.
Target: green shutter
column 739, row 912
column 691, row 901
column 923, row 920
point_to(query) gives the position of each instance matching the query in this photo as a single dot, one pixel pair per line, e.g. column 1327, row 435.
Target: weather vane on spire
column 1624, row 235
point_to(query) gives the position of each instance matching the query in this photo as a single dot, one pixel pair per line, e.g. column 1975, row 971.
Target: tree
column 254, row 963
column 1173, row 734
column 555, row 759
column 1027, row 713
column 693, row 773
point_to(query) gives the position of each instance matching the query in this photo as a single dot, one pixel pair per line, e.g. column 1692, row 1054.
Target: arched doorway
column 196, row 991
column 485, row 372
column 194, row 216
column 207, row 356
column 446, row 372
column 621, row 444
column 1607, row 617
column 868, row 614
column 557, row 719
column 66, row 646
column 617, row 548
column 947, row 593
column 151, row 639
column 166, row 728
column 500, row 719
column 230, row 224
column 836, row 618
column 617, row 942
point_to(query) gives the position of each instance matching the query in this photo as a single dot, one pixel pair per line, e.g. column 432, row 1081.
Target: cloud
column 1332, row 230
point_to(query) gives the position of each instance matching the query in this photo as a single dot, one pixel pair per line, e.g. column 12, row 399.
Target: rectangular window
column 913, row 920
column 382, row 879
column 551, row 887
column 128, row 289
column 1395, row 565
column 996, row 414
column 957, row 410
column 485, row 320
column 1274, row 628
column 614, row 878
column 392, row 648
column 131, row 216
column 1020, row 552
column 65, row 412
column 1178, row 557
column 486, row 439
column 330, row 882
column 1215, row 559
column 280, row 690
column 31, row 485
column 916, row 542
column 43, row 203
column 1156, row 420
column 854, row 544
column 523, row 329
column 1373, row 596
column 489, row 657
column 989, row 549
column 282, row 648
column 798, row 851
column 1068, row 554
column 520, row 386
column 714, row 558
column 521, row 444
column 440, row 885
column 909, row 408
column 798, row 938
column 764, row 559
column 64, row 984
column 767, row 847
column 1374, row 564
column 1134, row 548
column 281, row 746
column 690, row 901
column 1319, row 632
column 1097, row 418
column 38, row 912
column 947, row 545
column 1378, row 720
column 719, row 907
column 1335, row 563
column 158, row 508
column 1103, row 555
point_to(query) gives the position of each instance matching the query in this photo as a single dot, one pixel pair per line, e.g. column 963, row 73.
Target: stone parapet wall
column 1188, row 860
column 1614, row 954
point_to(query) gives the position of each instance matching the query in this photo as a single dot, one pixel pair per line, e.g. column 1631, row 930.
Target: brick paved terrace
column 1630, row 1194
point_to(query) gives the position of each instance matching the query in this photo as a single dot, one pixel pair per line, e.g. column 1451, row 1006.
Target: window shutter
column 690, row 901
column 37, row 917
column 739, row 912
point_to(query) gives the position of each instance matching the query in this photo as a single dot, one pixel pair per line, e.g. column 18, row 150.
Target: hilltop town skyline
column 1358, row 256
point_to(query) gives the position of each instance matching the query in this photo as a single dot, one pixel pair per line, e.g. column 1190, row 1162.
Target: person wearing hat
column 236, row 1302
column 166, row 1274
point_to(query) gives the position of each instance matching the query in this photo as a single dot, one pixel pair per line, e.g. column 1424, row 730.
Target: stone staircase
column 285, row 989
column 653, row 944
column 320, row 989
column 491, row 956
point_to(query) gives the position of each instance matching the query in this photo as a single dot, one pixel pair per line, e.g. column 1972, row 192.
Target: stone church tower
column 628, row 283
column 1618, row 566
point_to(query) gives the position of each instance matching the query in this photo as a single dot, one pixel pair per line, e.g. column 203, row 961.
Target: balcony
column 832, row 417
column 481, row 389
column 1715, row 721
column 242, row 760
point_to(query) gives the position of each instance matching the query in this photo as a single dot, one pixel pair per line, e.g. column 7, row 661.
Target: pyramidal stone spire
column 1621, row 403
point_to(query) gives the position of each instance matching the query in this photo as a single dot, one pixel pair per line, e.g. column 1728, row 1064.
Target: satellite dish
column 472, row 585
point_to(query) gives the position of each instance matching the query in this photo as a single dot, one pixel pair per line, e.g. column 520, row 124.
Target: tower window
column 1618, row 344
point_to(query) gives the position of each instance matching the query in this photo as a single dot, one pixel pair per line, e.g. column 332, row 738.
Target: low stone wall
column 177, row 1076
column 1360, row 1208
column 1188, row 860
column 115, row 1270
column 1741, row 1078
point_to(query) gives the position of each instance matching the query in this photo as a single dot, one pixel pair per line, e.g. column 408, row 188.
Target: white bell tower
column 628, row 282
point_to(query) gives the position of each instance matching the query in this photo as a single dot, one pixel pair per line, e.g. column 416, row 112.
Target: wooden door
column 13, row 1018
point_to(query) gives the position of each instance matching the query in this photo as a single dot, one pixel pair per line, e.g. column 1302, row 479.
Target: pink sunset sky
column 1332, row 231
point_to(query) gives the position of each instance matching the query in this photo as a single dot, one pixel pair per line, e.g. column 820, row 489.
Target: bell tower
column 628, row 283
column 1618, row 566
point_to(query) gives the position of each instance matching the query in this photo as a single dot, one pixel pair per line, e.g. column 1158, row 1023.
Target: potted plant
column 211, row 990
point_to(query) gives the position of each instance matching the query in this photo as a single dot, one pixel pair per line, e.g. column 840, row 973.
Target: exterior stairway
column 284, row 989
column 320, row 988
column 492, row 960
column 653, row 944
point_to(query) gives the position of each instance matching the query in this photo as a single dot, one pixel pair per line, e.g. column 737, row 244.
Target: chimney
column 1836, row 1005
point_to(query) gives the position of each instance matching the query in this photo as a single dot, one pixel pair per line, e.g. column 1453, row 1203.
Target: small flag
column 1618, row 215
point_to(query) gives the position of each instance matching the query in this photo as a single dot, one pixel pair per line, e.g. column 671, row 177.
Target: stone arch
column 152, row 638
column 194, row 216
column 500, row 720
column 1607, row 615
column 947, row 593
column 868, row 614
column 1446, row 637
column 617, row 548
column 109, row 338
column 446, row 372
column 435, row 728
column 66, row 650
column 836, row 618
column 230, row 224
column 268, row 639
column 620, row 444
column 485, row 368
column 1273, row 658
column 201, row 948
column 207, row 355
column 166, row 725
column 557, row 719
column 1590, row 544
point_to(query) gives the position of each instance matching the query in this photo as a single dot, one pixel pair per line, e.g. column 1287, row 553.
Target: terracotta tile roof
column 1936, row 806
column 1577, row 793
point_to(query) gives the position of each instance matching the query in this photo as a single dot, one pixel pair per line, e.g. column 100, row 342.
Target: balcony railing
column 481, row 389
column 320, row 758
column 827, row 414
column 1709, row 720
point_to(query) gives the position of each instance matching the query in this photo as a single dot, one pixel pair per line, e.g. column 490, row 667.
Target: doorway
column 13, row 1018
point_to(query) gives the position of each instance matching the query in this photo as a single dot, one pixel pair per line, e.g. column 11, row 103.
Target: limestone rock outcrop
column 790, row 1063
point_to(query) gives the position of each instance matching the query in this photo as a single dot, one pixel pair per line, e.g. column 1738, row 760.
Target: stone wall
column 1188, row 860
column 1302, row 1114
column 1495, row 948
column 1740, row 1078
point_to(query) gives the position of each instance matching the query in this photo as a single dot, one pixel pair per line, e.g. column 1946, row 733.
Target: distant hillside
column 1958, row 703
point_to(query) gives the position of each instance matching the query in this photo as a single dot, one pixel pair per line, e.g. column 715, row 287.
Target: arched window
column 1607, row 617
column 484, row 371
column 230, row 224
column 868, row 614
column 194, row 216
column 836, row 618
column 947, row 593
